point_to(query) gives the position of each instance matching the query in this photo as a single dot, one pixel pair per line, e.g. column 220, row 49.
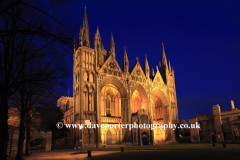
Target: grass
column 219, row 145
column 173, row 154
column 158, row 147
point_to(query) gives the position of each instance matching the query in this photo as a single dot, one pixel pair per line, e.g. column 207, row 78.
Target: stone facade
column 221, row 125
column 66, row 105
column 105, row 94
column 14, row 121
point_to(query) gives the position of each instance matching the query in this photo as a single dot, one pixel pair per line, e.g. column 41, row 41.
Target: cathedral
column 103, row 93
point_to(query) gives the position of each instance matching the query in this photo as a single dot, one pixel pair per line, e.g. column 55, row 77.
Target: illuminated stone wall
column 105, row 94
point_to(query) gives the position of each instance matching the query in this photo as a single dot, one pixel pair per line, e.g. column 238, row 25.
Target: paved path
column 68, row 154
column 63, row 155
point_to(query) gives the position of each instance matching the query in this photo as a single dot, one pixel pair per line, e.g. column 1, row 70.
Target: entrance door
column 109, row 137
column 145, row 138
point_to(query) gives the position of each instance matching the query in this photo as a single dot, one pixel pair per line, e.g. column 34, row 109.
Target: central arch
column 113, row 94
column 117, row 83
column 112, row 105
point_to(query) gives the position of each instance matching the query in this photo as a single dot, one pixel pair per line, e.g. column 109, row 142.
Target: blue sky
column 201, row 39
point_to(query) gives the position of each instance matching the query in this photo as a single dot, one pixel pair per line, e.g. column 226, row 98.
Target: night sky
column 201, row 39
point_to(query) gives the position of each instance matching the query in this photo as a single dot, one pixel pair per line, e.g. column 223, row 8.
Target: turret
column 125, row 61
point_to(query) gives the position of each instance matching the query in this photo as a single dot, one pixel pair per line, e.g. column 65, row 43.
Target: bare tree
column 30, row 31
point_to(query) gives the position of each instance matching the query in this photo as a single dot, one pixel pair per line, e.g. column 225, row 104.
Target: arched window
column 158, row 110
column 108, row 106
column 86, row 98
column 67, row 105
column 85, row 76
column 91, row 77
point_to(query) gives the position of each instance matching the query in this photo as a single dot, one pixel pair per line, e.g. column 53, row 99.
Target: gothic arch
column 85, row 75
column 116, row 82
column 160, row 94
column 91, row 76
column 139, row 99
column 141, row 90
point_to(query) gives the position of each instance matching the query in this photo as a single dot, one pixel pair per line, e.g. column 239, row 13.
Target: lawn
column 219, row 145
column 159, row 147
column 173, row 154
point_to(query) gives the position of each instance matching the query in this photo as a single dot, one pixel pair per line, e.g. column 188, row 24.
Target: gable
column 137, row 71
column 111, row 66
column 158, row 78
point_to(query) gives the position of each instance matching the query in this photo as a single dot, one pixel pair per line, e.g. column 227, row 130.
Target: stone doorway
column 38, row 144
column 145, row 138
column 109, row 137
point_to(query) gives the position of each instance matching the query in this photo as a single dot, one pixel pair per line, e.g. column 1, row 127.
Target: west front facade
column 103, row 93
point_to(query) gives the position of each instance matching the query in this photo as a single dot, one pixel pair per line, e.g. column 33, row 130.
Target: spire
column 85, row 20
column 146, row 67
column 97, row 38
column 97, row 47
column 164, row 66
column 86, row 37
column 125, row 60
column 125, row 57
column 112, row 40
column 164, row 59
column 169, row 66
column 159, row 66
column 97, row 32
column 172, row 72
column 153, row 73
column 81, row 37
column 112, row 45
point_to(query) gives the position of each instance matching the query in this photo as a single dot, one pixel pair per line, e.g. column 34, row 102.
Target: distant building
column 66, row 105
column 217, row 125
column 38, row 138
column 183, row 134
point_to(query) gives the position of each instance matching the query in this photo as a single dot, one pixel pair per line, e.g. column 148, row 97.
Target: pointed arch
column 139, row 98
column 160, row 94
column 117, row 83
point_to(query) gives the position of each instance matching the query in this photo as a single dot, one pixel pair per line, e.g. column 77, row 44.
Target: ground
column 166, row 151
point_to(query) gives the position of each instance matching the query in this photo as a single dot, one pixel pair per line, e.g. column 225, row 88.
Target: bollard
column 89, row 153
column 224, row 145
column 122, row 149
